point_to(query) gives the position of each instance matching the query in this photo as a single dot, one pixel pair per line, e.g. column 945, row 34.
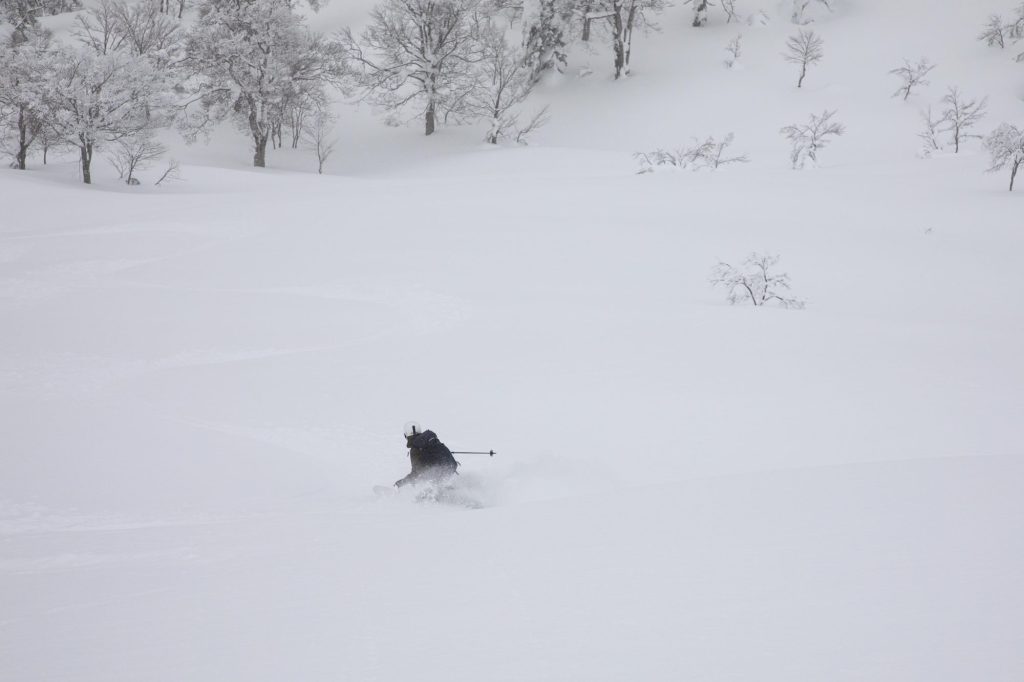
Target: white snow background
column 201, row 383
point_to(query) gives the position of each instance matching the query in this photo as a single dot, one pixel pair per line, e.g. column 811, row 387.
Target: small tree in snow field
column 807, row 139
column 755, row 282
column 961, row 115
column 912, row 75
column 1006, row 147
column 134, row 153
column 930, row 134
column 319, row 137
column 734, row 49
column 804, row 49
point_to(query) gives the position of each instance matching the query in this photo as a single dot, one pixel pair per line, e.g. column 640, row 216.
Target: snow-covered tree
column 756, row 282
column 504, row 81
column 95, row 99
column 249, row 58
column 546, row 34
column 807, row 139
column 624, row 17
column 994, row 33
column 25, row 70
column 1006, row 147
column 804, row 49
column 23, row 15
column 998, row 32
column 700, row 12
column 1015, row 29
column 417, row 53
column 912, row 75
column 961, row 115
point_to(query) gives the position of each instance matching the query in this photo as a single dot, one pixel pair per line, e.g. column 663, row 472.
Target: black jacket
column 430, row 458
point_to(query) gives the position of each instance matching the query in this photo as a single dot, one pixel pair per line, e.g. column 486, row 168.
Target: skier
column 431, row 459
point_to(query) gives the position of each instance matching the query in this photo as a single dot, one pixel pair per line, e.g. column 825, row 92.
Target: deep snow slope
column 201, row 383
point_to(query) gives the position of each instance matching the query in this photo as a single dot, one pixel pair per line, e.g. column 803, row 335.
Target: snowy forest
column 522, row 340
column 125, row 70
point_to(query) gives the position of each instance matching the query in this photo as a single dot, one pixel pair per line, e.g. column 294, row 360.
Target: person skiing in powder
column 431, row 460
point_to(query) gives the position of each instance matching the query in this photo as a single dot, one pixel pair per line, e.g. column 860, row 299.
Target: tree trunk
column 803, row 73
column 259, row 159
column 431, row 118
column 618, row 30
column 628, row 38
column 85, row 149
column 700, row 13
column 24, row 140
column 1013, row 173
column 586, row 22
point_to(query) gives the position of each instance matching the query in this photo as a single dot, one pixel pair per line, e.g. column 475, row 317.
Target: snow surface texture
column 200, row 385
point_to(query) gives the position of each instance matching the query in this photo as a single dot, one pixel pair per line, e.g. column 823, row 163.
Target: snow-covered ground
column 201, row 383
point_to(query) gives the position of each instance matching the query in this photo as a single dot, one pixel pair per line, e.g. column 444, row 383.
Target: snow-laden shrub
column 808, row 139
column 710, row 154
column 755, row 282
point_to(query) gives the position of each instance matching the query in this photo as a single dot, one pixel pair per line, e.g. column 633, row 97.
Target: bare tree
column 416, row 52
column 539, row 119
column 912, row 75
column 804, row 49
column 145, row 29
column 1006, row 147
column 133, row 153
column 994, row 33
column 172, row 172
column 807, row 139
column 755, row 282
column 734, row 48
column 319, row 137
column 100, row 28
column 931, row 132
column 961, row 115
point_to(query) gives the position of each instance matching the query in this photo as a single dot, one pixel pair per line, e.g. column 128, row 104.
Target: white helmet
column 412, row 429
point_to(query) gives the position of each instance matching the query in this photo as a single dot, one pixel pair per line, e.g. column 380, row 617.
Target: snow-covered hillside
column 200, row 384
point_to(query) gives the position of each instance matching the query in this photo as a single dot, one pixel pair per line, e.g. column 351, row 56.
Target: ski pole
column 465, row 452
